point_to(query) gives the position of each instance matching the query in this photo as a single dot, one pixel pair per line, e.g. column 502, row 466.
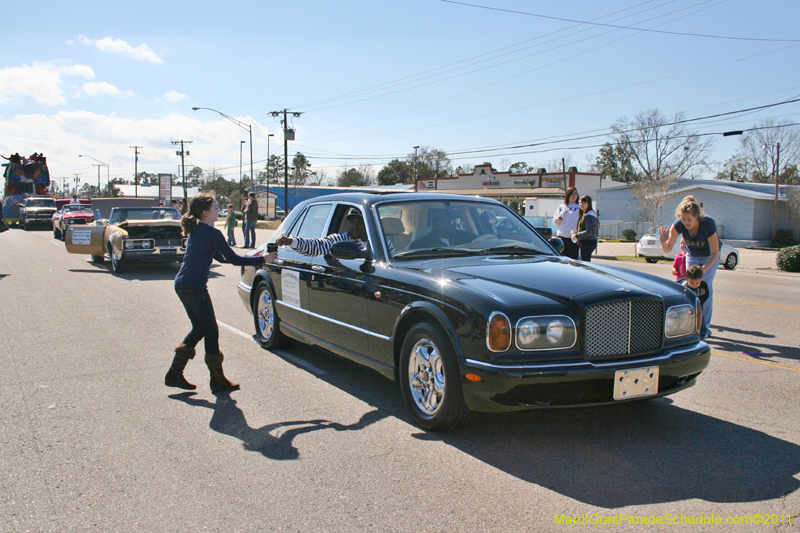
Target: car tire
column 651, row 259
column 265, row 319
column 430, row 381
column 99, row 259
column 117, row 265
column 57, row 233
column 26, row 226
column 730, row 262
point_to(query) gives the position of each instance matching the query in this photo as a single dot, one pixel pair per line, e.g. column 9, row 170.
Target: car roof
column 369, row 199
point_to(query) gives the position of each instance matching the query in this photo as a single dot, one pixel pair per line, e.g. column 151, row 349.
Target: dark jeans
column 570, row 248
column 198, row 306
column 586, row 249
column 249, row 234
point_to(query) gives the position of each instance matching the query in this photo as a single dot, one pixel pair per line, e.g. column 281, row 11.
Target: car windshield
column 154, row 213
column 435, row 227
column 44, row 202
column 74, row 208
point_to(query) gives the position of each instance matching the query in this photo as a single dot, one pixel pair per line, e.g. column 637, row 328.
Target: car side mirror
column 350, row 250
column 557, row 243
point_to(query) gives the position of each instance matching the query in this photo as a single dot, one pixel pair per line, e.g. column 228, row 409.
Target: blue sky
column 374, row 78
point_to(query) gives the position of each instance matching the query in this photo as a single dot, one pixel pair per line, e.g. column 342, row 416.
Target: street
column 92, row 440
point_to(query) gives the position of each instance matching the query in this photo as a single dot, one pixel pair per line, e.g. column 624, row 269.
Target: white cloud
column 175, row 96
column 95, row 89
column 118, row 46
column 42, row 81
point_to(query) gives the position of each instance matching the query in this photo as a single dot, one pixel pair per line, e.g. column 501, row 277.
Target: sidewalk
column 749, row 259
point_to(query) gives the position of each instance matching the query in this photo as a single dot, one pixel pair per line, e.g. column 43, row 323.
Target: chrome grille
column 624, row 328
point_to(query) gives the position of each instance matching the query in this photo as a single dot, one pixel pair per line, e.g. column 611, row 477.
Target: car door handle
column 317, row 268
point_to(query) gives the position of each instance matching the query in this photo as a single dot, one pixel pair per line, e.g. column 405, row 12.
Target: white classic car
column 649, row 247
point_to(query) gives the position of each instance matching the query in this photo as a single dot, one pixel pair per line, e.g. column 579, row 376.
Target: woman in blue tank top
column 701, row 242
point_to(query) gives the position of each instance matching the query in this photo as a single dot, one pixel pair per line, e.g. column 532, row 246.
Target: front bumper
column 158, row 255
column 518, row 387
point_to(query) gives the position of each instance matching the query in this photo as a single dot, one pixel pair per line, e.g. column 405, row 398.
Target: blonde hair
column 691, row 206
column 201, row 202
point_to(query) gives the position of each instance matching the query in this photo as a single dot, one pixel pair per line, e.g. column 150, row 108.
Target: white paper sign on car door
column 290, row 285
column 81, row 236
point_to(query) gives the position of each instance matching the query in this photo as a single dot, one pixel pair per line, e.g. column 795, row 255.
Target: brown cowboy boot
column 218, row 383
column 174, row 377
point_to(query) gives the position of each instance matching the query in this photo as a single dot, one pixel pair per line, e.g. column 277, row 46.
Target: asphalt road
column 91, row 439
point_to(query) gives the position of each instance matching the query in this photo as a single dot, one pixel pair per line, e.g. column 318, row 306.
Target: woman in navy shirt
column 205, row 243
column 701, row 241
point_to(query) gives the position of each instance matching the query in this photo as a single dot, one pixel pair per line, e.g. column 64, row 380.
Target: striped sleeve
column 315, row 247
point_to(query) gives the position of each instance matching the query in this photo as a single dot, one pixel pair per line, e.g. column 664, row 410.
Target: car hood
column 149, row 223
column 77, row 215
column 556, row 278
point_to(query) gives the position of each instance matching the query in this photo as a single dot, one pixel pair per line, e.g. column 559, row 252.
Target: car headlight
column 545, row 333
column 147, row 245
column 680, row 320
column 129, row 245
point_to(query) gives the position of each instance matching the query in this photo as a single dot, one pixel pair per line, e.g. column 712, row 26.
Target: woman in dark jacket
column 204, row 244
column 588, row 229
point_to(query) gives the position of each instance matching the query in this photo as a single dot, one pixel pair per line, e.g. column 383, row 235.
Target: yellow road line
column 751, row 360
column 716, row 298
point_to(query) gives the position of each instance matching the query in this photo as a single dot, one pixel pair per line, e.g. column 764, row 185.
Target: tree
column 146, row 178
column 757, row 155
column 430, row 163
column 659, row 146
column 614, row 162
column 194, row 176
column 225, row 189
column 317, row 178
column 465, row 169
column 520, row 168
column 395, row 171
column 360, row 177
column 651, row 196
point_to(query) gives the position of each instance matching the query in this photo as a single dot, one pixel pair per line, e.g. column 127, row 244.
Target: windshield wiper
column 513, row 249
column 436, row 252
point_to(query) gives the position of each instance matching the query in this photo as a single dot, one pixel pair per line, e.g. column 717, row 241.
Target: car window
column 313, row 222
column 465, row 225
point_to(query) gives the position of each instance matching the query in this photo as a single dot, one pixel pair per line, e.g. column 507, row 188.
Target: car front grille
column 174, row 243
column 624, row 328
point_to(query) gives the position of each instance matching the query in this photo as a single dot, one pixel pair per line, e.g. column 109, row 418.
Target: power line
column 683, row 34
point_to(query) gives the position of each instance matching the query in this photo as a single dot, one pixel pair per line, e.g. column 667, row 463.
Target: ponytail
column 197, row 205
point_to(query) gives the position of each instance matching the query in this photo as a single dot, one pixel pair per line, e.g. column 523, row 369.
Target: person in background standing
column 587, row 231
column 230, row 223
column 251, row 217
column 204, row 244
column 184, row 206
column 566, row 221
column 679, row 266
column 74, row 199
column 701, row 243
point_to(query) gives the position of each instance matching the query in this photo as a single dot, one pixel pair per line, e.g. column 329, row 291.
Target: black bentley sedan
column 467, row 314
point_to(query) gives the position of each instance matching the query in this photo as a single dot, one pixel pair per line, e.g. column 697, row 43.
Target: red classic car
column 70, row 215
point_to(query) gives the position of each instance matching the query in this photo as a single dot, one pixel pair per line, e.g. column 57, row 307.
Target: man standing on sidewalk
column 250, row 218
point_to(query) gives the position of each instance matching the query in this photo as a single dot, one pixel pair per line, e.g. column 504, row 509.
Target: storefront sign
column 165, row 188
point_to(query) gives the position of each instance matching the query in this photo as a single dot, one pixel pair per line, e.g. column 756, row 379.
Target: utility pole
column 415, row 168
column 183, row 153
column 76, row 182
column 777, row 175
column 288, row 135
column 136, row 169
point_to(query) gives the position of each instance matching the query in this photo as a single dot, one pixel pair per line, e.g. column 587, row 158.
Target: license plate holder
column 635, row 383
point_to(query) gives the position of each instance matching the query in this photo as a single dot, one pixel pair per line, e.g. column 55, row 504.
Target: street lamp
column 100, row 164
column 776, row 170
column 242, row 125
column 274, row 213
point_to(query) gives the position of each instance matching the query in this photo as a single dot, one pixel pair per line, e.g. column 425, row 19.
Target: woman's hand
column 269, row 258
column 663, row 234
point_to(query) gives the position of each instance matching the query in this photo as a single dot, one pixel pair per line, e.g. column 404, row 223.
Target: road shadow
column 140, row 271
column 616, row 456
column 760, row 351
column 227, row 418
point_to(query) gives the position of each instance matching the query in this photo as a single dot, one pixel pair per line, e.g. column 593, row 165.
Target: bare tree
column 758, row 151
column 504, row 164
column 651, row 196
column 661, row 146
